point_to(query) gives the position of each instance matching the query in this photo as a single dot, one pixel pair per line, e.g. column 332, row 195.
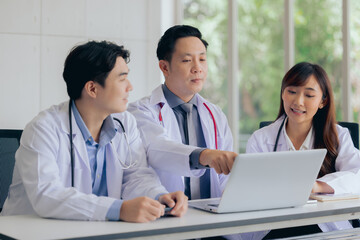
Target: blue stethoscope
column 123, row 164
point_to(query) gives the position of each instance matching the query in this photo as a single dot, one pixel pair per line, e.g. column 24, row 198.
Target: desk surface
column 195, row 223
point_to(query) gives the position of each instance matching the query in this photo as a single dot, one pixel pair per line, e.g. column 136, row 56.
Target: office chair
column 9, row 143
column 353, row 129
column 354, row 133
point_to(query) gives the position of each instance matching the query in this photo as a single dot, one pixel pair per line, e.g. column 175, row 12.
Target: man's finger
column 217, row 167
column 155, row 210
column 230, row 164
column 168, row 200
column 181, row 204
column 178, row 203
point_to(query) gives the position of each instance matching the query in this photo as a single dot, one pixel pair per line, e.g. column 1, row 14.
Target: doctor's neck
column 297, row 132
column 183, row 95
column 92, row 118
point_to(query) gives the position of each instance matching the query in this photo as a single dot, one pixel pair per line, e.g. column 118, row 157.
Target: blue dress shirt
column 97, row 158
column 195, row 189
column 175, row 102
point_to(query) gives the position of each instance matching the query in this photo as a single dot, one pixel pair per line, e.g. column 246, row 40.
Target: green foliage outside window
column 318, row 39
column 355, row 57
column 210, row 16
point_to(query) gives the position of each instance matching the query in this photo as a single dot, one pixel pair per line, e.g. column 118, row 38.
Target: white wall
column 36, row 36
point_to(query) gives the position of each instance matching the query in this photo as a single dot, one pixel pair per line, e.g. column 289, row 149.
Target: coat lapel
column 114, row 173
column 82, row 175
column 207, row 123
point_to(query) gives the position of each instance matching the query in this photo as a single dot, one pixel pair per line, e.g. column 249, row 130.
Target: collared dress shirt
column 175, row 102
column 194, row 187
column 97, row 158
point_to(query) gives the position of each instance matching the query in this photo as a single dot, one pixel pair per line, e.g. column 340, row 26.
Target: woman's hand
column 321, row 187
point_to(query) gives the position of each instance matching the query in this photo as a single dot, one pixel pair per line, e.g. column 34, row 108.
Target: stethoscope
column 212, row 116
column 124, row 165
column 278, row 134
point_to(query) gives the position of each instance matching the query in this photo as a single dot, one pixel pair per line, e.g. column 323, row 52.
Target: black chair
column 353, row 129
column 264, row 124
column 9, row 143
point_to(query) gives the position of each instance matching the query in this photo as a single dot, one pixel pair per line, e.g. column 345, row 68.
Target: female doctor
column 306, row 120
column 84, row 159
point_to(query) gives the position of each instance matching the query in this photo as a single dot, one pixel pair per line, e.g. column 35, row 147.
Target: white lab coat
column 42, row 174
column 162, row 140
column 169, row 157
column 346, row 179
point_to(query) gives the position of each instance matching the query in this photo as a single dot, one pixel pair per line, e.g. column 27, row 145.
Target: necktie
column 192, row 185
column 189, row 126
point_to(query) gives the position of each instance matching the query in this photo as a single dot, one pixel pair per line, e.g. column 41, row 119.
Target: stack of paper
column 322, row 197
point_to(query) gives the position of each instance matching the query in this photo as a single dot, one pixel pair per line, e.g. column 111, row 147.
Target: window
column 355, row 57
column 261, row 63
column 210, row 16
column 318, row 39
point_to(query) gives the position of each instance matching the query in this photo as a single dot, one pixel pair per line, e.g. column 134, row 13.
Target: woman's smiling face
column 302, row 102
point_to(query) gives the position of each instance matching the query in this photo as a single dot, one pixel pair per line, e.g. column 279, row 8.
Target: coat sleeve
column 163, row 153
column 139, row 180
column 226, row 135
column 226, row 143
column 37, row 162
column 346, row 179
column 254, row 143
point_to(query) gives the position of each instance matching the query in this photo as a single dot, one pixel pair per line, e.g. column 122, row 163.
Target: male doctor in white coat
column 193, row 157
column 84, row 159
column 163, row 122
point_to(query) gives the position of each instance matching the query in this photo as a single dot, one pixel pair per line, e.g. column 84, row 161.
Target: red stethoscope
column 212, row 116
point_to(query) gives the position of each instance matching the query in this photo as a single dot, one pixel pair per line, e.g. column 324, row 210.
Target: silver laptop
column 267, row 180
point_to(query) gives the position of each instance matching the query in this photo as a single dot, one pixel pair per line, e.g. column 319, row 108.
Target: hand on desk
column 221, row 161
column 321, row 187
column 144, row 209
column 177, row 201
column 141, row 209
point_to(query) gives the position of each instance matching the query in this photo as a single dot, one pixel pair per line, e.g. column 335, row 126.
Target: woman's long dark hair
column 324, row 121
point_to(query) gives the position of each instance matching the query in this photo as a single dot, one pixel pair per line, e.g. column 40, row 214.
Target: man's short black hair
column 91, row 61
column 166, row 45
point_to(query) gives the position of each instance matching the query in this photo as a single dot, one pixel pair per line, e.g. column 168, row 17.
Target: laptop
column 269, row 180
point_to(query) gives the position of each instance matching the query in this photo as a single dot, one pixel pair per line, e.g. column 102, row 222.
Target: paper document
column 322, row 197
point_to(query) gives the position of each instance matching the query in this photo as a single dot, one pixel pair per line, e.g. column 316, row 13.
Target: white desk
column 194, row 224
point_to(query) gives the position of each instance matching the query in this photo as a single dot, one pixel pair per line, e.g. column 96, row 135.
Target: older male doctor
column 182, row 142
column 84, row 159
column 187, row 138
